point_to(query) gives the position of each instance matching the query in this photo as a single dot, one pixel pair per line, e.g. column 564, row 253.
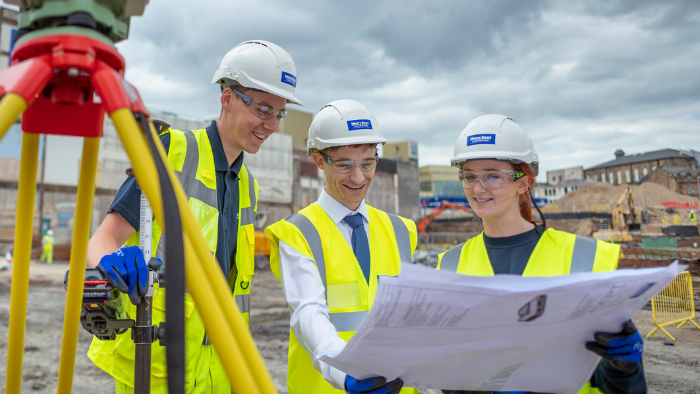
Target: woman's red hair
column 524, row 199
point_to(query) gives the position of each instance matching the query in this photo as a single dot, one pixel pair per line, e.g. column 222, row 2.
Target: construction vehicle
column 623, row 223
column 423, row 225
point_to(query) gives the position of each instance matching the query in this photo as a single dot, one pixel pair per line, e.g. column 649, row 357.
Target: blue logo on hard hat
column 359, row 124
column 479, row 139
column 289, row 79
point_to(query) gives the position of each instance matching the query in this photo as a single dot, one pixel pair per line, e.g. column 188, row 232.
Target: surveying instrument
column 65, row 75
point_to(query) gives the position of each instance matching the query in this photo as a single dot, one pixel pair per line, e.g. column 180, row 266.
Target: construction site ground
column 671, row 367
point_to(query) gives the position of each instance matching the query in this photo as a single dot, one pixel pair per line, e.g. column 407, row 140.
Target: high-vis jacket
column 556, row 253
column 349, row 297
column 47, row 241
column 190, row 154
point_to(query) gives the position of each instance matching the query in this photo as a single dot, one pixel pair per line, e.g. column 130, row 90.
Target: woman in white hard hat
column 497, row 168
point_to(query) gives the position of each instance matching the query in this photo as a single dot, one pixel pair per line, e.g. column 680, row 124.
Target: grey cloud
column 446, row 34
column 427, row 68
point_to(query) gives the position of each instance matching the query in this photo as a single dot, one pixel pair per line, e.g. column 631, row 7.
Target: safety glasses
column 489, row 179
column 346, row 165
column 262, row 111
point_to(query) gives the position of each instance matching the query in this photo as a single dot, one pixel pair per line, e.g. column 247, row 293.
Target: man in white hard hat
column 257, row 81
column 330, row 254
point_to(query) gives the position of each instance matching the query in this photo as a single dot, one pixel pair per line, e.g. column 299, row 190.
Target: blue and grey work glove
column 126, row 270
column 375, row 385
column 622, row 350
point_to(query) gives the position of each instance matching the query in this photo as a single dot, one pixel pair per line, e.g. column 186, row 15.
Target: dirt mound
column 647, row 194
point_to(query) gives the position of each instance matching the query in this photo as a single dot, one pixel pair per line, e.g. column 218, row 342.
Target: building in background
column 396, row 185
column 8, row 27
column 559, row 182
column 440, row 183
column 546, row 193
column 675, row 169
column 296, row 124
column 567, row 174
column 273, row 167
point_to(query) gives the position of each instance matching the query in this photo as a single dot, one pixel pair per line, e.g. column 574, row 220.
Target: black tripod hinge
column 143, row 334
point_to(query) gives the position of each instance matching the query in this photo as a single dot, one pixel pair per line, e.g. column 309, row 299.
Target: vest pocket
column 244, row 255
column 343, row 295
column 208, row 219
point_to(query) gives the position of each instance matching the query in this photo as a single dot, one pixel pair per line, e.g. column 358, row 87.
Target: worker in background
column 693, row 217
column 330, row 255
column 257, row 81
column 497, row 168
column 47, row 247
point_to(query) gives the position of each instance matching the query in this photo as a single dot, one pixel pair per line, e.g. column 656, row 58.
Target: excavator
column 423, row 225
column 622, row 222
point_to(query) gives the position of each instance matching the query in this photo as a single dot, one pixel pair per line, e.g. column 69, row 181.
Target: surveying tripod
column 65, row 74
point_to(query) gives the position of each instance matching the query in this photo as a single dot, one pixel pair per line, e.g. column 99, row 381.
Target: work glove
column 622, row 350
column 126, row 270
column 375, row 385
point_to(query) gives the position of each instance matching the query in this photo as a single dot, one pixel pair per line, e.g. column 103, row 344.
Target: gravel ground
column 671, row 367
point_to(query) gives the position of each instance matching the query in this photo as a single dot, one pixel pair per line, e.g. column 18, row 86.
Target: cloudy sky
column 584, row 78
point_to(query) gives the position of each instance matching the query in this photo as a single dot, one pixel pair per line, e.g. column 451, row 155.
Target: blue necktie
column 360, row 245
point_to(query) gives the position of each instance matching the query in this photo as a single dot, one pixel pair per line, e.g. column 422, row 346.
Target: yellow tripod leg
column 81, row 234
column 226, row 345
column 222, row 293
column 11, row 106
column 20, row 271
column 144, row 168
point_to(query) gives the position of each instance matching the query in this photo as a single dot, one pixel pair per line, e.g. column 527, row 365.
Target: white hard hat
column 49, row 232
column 495, row 137
column 341, row 123
column 259, row 65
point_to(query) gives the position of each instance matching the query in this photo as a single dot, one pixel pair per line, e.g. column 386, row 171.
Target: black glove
column 623, row 350
column 375, row 385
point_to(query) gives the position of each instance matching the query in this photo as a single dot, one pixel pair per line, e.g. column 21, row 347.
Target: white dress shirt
column 305, row 293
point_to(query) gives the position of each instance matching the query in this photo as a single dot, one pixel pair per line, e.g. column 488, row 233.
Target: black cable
column 175, row 257
column 544, row 221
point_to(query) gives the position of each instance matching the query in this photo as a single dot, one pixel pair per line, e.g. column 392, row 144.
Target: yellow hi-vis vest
column 191, row 157
column 556, row 253
column 48, row 241
column 348, row 296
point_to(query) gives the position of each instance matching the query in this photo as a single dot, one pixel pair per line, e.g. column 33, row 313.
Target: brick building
column 662, row 166
column 556, row 177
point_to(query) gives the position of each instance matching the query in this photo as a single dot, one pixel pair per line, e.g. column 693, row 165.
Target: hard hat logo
column 481, row 139
column 289, row 79
column 359, row 124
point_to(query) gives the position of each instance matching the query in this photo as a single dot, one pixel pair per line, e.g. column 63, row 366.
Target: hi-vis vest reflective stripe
column 347, row 321
column 556, row 253
column 348, row 295
column 191, row 156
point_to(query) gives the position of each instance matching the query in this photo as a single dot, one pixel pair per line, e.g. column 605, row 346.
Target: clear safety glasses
column 346, row 165
column 489, row 179
column 262, row 111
